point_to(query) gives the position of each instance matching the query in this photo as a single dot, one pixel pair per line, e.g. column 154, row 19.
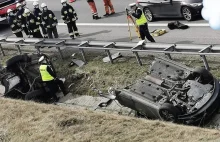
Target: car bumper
column 196, row 10
column 207, row 110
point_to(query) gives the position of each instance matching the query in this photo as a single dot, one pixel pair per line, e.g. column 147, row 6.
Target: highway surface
column 114, row 28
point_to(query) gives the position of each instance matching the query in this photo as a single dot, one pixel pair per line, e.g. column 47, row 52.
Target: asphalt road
column 195, row 34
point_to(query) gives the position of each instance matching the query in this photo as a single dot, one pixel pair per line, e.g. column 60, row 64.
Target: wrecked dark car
column 172, row 92
column 20, row 79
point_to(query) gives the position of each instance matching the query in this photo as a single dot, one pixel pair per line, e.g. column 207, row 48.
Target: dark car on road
column 188, row 9
column 172, row 92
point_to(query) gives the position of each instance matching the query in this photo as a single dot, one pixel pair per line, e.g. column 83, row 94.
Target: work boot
column 106, row 15
column 77, row 34
column 72, row 37
column 112, row 13
column 97, row 17
column 93, row 17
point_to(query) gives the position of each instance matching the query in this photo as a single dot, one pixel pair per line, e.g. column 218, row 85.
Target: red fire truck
column 8, row 4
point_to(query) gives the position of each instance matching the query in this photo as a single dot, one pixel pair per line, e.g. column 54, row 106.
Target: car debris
column 158, row 32
column 177, row 25
column 114, row 56
column 171, row 92
column 20, row 79
column 75, row 61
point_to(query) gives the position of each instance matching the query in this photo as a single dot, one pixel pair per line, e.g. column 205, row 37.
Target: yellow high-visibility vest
column 45, row 74
column 142, row 20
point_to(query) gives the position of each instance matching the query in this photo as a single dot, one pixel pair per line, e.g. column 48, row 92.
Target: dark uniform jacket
column 21, row 18
column 37, row 13
column 48, row 19
column 68, row 14
column 33, row 23
column 90, row 0
column 14, row 24
column 137, row 14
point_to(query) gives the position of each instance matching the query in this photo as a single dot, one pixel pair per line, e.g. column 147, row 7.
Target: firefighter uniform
column 37, row 13
column 33, row 24
column 69, row 16
column 93, row 9
column 49, row 21
column 108, row 4
column 21, row 19
column 14, row 24
column 141, row 21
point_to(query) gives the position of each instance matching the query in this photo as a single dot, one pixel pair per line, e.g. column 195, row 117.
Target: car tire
column 169, row 113
column 206, row 76
column 36, row 95
column 148, row 14
column 187, row 13
column 19, row 58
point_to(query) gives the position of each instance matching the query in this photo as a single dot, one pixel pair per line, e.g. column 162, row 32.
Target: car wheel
column 206, row 76
column 187, row 13
column 148, row 14
column 168, row 112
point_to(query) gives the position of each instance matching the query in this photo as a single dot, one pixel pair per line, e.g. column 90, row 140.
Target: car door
column 154, row 6
column 170, row 8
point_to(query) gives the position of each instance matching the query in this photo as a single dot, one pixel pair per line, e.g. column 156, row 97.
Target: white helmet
column 35, row 3
column 62, row 1
column 43, row 5
column 132, row 4
column 26, row 11
column 9, row 10
column 42, row 60
column 18, row 4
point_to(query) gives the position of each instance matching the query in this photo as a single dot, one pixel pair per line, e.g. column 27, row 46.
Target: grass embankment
column 31, row 122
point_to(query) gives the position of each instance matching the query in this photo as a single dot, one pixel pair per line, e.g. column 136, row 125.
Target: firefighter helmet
column 43, row 5
column 27, row 11
column 35, row 3
column 18, row 4
column 9, row 10
column 132, row 4
column 63, row 1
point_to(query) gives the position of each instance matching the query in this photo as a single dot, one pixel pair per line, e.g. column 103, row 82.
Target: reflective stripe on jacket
column 142, row 20
column 45, row 75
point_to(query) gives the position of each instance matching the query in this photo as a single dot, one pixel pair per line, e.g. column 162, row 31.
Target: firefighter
column 141, row 21
column 69, row 16
column 33, row 24
column 93, row 9
column 21, row 18
column 14, row 24
column 49, row 21
column 37, row 13
column 108, row 4
column 49, row 78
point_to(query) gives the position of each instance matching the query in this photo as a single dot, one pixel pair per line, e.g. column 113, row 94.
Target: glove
column 54, row 24
column 76, row 18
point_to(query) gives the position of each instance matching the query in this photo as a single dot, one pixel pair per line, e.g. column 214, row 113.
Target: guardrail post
column 19, row 48
column 171, row 48
column 138, row 58
column 58, row 48
column 111, row 45
column 85, row 44
column 205, row 62
column 38, row 47
column 3, row 53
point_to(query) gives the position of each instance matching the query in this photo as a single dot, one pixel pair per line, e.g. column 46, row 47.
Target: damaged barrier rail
column 165, row 48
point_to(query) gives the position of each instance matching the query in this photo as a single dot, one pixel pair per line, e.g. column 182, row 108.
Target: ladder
column 150, row 48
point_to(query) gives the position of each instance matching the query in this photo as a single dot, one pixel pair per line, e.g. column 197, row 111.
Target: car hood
column 193, row 1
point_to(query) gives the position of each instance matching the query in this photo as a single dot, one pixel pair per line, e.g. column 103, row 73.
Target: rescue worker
column 141, row 21
column 21, row 19
column 49, row 21
column 69, row 16
column 49, row 78
column 108, row 4
column 37, row 13
column 93, row 9
column 33, row 24
column 14, row 24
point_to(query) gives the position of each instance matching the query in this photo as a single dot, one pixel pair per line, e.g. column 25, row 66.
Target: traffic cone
column 70, row 1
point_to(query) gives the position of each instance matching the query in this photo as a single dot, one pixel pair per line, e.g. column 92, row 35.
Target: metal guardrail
column 165, row 48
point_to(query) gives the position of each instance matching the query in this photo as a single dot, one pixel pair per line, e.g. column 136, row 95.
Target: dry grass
column 27, row 121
